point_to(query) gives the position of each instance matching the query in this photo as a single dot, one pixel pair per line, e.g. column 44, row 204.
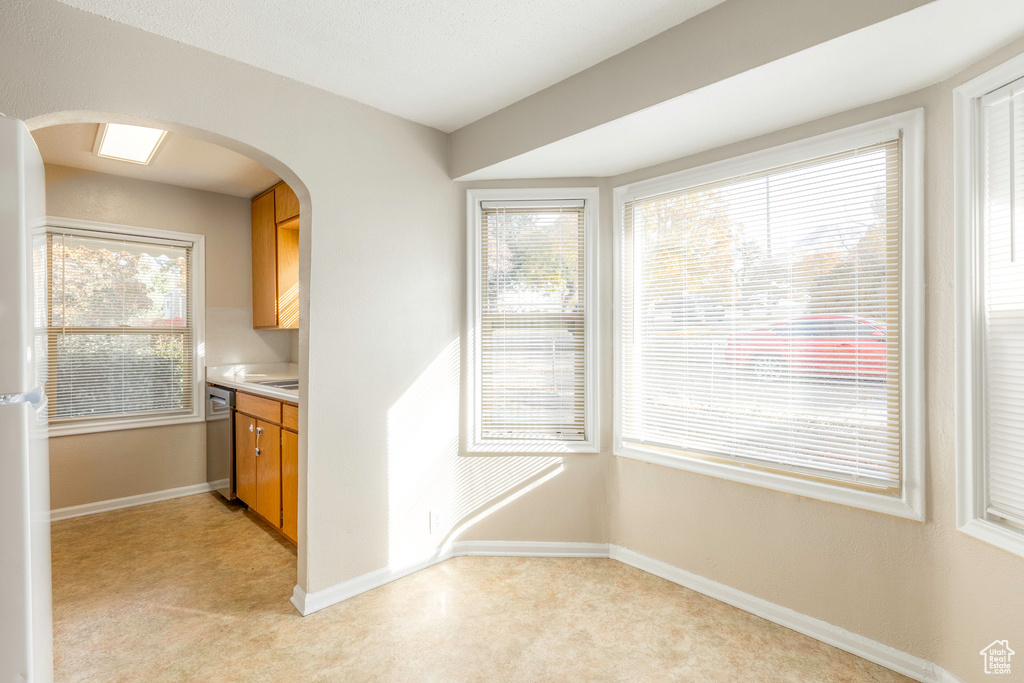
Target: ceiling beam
column 729, row 39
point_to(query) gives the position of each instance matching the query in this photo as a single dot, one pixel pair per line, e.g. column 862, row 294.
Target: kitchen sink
column 286, row 384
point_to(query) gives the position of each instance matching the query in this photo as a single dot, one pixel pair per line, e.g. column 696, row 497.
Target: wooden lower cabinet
column 245, row 459
column 290, row 484
column 267, row 466
column 268, row 472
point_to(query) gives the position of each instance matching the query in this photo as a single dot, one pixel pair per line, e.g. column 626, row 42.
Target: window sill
column 532, row 448
column 996, row 534
column 120, row 425
column 831, row 493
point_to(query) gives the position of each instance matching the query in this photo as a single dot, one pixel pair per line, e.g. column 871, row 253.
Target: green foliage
column 533, row 259
column 97, row 287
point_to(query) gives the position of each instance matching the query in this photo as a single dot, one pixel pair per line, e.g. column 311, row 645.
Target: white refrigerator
column 26, row 622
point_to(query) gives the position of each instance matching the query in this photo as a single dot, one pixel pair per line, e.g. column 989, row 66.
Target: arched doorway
column 43, row 123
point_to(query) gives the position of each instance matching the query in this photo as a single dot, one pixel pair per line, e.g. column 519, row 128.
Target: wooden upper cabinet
column 288, row 274
column 275, row 259
column 285, row 202
column 264, row 262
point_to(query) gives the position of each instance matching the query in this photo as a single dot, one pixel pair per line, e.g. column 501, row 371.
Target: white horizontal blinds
column 120, row 327
column 1003, row 265
column 532, row 309
column 761, row 319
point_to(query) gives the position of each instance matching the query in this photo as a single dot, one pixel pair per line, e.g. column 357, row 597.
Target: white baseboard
column 873, row 651
column 307, row 603
column 131, row 501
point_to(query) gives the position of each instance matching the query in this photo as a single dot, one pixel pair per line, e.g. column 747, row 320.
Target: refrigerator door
column 26, row 631
column 22, row 260
column 26, row 622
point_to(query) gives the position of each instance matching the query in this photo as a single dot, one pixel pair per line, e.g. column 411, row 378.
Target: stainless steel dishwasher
column 220, row 439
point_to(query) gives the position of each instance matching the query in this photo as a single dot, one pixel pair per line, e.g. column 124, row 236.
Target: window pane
column 1003, row 265
column 120, row 335
column 120, row 374
column 116, row 283
column 532, row 320
column 761, row 319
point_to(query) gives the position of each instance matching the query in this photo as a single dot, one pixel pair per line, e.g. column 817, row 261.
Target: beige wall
column 87, row 468
column 926, row 589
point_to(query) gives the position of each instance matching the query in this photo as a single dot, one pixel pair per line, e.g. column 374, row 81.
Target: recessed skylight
column 136, row 144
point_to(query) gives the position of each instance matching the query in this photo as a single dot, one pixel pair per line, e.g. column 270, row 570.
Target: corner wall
column 572, row 505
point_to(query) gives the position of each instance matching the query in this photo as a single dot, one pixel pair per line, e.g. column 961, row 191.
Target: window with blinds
column 761, row 319
column 1002, row 287
column 120, row 327
column 531, row 329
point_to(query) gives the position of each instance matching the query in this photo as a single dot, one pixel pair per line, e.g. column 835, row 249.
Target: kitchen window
column 989, row 196
column 124, row 327
column 532, row 310
column 768, row 325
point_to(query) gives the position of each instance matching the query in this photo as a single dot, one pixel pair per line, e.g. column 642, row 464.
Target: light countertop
column 247, row 378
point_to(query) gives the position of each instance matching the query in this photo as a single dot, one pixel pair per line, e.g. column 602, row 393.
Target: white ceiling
column 444, row 63
column 894, row 57
column 180, row 160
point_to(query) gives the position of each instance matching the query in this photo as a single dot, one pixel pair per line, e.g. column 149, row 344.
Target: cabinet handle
column 259, row 432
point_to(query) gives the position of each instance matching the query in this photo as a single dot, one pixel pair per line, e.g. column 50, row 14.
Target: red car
column 834, row 346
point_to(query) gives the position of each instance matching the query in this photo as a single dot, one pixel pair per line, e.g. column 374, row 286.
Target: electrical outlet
column 434, row 519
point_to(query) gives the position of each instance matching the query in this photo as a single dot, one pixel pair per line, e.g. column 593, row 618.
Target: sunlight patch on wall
column 432, row 491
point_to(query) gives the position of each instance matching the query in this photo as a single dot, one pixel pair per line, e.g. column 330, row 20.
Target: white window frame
column 198, row 304
column 474, row 442
column 910, row 503
column 970, row 432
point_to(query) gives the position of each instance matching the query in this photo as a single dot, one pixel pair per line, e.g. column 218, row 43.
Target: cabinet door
column 268, row 472
column 290, row 484
column 264, row 262
column 286, row 203
column 245, row 459
column 288, row 274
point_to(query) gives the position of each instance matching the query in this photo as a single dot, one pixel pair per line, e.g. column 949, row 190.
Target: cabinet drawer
column 264, row 408
column 290, row 416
